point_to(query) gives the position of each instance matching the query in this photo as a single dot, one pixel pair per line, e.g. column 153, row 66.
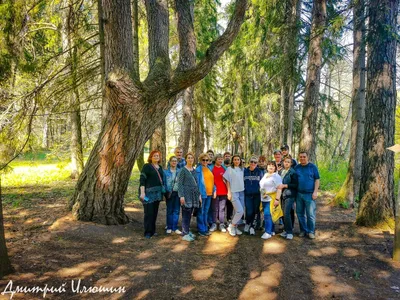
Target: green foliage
column 332, row 181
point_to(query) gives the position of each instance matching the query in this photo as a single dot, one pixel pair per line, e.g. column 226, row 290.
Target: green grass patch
column 332, row 180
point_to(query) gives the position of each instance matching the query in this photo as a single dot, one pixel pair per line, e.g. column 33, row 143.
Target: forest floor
column 48, row 248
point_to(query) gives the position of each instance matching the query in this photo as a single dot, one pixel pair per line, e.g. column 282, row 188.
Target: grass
column 332, row 180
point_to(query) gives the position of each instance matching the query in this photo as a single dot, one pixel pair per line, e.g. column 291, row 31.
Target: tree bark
column 5, row 264
column 311, row 98
column 140, row 160
column 134, row 109
column 377, row 182
column 338, row 151
column 158, row 142
column 351, row 187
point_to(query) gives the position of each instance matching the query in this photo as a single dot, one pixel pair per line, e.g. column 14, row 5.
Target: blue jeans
column 238, row 206
column 288, row 214
column 252, row 203
column 186, row 216
column 269, row 225
column 306, row 206
column 210, row 216
column 202, row 215
column 173, row 209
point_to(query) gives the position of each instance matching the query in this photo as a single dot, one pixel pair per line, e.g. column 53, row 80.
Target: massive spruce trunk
column 5, row 264
column 134, row 109
column 377, row 183
column 158, row 142
column 311, row 98
column 351, row 187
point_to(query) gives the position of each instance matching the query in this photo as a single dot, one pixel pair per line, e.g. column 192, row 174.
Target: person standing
column 235, row 185
column 270, row 197
column 229, row 206
column 289, row 192
column 252, row 177
column 285, row 152
column 206, row 186
column 278, row 159
column 171, row 196
column 307, row 193
column 220, row 195
column 189, row 195
column 178, row 152
column 151, row 191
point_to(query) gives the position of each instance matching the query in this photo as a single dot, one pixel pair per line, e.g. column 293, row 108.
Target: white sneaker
column 289, row 236
column 246, row 228
column 238, row 232
column 273, row 233
column 178, row 232
column 169, row 231
column 283, row 234
column 222, row 228
column 232, row 230
column 266, row 236
column 213, row 227
column 252, row 231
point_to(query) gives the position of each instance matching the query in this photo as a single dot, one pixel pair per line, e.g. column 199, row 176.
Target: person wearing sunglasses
column 206, row 186
column 252, row 177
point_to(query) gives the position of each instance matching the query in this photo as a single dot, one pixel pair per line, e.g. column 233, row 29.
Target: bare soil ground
column 47, row 247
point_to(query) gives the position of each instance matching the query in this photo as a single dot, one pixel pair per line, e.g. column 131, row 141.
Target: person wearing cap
column 285, row 152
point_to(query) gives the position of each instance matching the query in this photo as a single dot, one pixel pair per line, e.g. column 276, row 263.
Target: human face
column 271, row 169
column 278, row 156
column 219, row 161
column 284, row 152
column 261, row 164
column 189, row 160
column 287, row 163
column 252, row 164
column 204, row 161
column 303, row 158
column 173, row 162
column 178, row 153
column 236, row 161
column 155, row 158
column 227, row 156
column 210, row 155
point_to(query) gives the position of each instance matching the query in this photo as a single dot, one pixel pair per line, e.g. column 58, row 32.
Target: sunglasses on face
column 205, row 159
column 253, row 162
column 174, row 161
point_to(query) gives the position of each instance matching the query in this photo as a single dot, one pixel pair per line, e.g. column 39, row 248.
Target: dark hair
column 152, row 154
column 236, row 155
column 172, row 157
column 262, row 158
column 272, row 163
column 288, row 157
column 227, row 152
column 227, row 161
column 208, row 151
column 303, row 152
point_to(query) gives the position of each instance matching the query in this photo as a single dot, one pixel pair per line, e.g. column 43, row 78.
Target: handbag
column 163, row 191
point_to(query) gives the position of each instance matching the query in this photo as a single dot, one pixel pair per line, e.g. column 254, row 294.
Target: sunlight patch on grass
column 323, row 252
column 187, row 289
column 180, row 247
column 145, row 254
column 203, row 274
column 120, row 240
column 80, row 270
column 327, row 284
column 261, row 287
column 219, row 243
column 351, row 252
column 273, row 247
column 142, row 294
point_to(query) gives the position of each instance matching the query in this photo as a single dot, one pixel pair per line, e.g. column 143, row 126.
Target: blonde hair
column 203, row 155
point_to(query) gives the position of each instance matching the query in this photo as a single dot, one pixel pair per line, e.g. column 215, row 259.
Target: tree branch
column 184, row 78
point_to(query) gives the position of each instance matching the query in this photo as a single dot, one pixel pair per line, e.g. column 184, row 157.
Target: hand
column 314, row 195
column 276, row 203
column 229, row 196
column 141, row 197
column 281, row 186
column 215, row 195
column 182, row 199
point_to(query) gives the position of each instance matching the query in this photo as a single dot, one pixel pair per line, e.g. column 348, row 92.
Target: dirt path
column 344, row 262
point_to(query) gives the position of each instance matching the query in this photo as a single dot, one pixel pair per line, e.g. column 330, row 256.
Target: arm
column 316, row 187
column 143, row 178
column 228, row 186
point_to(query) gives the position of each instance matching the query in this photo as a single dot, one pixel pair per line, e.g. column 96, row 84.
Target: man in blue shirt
column 307, row 193
column 181, row 160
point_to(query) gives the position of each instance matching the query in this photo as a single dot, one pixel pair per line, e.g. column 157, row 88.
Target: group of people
column 222, row 193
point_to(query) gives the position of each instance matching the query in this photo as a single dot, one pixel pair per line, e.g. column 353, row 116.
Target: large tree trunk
column 351, row 187
column 158, row 142
column 339, row 146
column 187, row 115
column 311, row 98
column 5, row 264
column 377, row 183
column 134, row 109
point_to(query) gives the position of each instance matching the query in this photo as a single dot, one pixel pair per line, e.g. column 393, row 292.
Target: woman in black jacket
column 289, row 192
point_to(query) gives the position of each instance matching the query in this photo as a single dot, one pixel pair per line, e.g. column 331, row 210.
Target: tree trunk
column 140, row 160
column 339, row 147
column 187, row 115
column 351, row 187
column 5, row 264
column 198, row 143
column 311, row 98
column 134, row 109
column 158, row 142
column 377, row 183
column 45, row 131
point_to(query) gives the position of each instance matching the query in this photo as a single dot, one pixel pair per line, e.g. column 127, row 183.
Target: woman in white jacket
column 270, row 197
